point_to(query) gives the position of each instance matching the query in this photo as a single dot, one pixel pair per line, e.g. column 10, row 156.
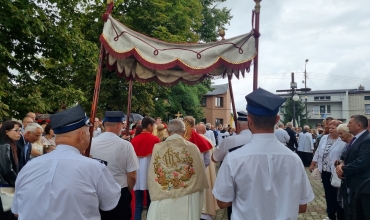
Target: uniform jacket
column 357, row 163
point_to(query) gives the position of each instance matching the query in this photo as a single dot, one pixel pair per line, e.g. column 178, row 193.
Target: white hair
column 176, row 126
column 343, row 127
column 289, row 124
column 31, row 127
column 208, row 125
column 306, row 127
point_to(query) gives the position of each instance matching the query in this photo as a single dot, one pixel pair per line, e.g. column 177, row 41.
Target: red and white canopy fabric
column 139, row 57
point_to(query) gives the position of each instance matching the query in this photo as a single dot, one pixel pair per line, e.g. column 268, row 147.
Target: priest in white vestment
column 176, row 177
column 305, row 146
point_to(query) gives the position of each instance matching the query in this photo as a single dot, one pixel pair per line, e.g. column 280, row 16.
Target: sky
column 334, row 35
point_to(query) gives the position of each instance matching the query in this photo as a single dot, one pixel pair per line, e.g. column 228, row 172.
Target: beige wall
column 211, row 112
column 357, row 104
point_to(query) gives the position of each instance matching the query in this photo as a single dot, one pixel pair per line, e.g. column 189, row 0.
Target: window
column 219, row 101
column 328, row 109
column 321, row 98
column 282, row 110
column 204, row 101
column 316, row 110
column 367, row 97
column 322, row 109
column 219, row 121
column 367, row 109
column 204, row 120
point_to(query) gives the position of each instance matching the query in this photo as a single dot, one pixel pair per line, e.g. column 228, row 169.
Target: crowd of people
column 171, row 168
column 328, row 146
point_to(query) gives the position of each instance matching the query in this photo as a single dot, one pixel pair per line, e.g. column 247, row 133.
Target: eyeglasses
column 17, row 130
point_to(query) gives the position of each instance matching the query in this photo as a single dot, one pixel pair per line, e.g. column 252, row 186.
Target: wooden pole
column 96, row 96
column 129, row 96
column 232, row 101
column 257, row 10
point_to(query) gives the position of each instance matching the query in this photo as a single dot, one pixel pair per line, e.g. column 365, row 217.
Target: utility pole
column 305, row 86
column 293, row 89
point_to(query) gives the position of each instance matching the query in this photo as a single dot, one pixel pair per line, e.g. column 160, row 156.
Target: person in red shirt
column 143, row 146
column 192, row 136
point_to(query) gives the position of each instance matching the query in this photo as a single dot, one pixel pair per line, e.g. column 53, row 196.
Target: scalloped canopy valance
column 139, row 57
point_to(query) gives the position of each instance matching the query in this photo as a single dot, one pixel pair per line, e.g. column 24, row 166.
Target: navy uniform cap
column 69, row 120
column 114, row 116
column 263, row 103
column 242, row 116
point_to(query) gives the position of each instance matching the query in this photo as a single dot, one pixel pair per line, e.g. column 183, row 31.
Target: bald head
column 31, row 115
column 26, row 121
column 79, row 138
column 201, row 129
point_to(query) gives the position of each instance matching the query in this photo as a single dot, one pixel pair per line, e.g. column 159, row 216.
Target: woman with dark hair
column 10, row 132
column 48, row 138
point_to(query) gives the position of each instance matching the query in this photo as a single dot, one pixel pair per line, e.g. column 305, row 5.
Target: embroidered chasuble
column 176, row 169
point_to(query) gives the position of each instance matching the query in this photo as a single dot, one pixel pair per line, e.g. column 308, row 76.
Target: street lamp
column 293, row 89
column 305, row 86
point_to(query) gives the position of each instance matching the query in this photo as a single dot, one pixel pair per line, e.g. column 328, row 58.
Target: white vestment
column 305, row 143
column 187, row 207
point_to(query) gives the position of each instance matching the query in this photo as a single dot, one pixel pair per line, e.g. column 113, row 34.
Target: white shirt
column 211, row 135
column 282, row 135
column 264, row 180
column 358, row 135
column 97, row 132
column 305, row 143
column 238, row 140
column 119, row 154
column 222, row 136
column 62, row 185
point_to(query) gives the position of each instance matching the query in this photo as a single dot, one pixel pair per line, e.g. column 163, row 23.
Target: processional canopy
column 142, row 58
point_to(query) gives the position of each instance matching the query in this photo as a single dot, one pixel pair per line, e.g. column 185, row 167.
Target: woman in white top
column 328, row 151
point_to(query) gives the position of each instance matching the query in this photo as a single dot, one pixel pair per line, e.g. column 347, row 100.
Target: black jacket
column 22, row 159
column 357, row 163
column 293, row 140
column 8, row 171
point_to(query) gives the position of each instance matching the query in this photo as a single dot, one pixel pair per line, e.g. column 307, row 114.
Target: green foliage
column 49, row 54
column 299, row 111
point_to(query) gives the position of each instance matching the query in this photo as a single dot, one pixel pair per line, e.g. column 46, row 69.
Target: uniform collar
column 264, row 136
column 244, row 131
column 67, row 147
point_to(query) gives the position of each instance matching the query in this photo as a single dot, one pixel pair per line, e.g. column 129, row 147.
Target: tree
column 299, row 111
column 49, row 51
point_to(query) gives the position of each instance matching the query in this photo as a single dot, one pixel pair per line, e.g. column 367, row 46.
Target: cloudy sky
column 333, row 34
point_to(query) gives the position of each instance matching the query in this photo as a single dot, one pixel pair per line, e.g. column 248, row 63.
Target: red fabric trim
column 174, row 63
column 200, row 141
column 144, row 143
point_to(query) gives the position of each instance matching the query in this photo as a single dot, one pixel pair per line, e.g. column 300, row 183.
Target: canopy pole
column 129, row 96
column 96, row 96
column 232, row 101
column 257, row 10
